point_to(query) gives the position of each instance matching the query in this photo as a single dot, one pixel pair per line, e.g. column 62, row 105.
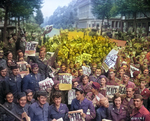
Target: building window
column 89, row 25
column 112, row 24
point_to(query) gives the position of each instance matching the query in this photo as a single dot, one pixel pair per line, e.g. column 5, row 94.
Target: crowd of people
column 23, row 97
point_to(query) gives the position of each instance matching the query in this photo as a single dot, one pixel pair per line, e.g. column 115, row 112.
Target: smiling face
column 103, row 81
column 22, row 101
column 129, row 92
column 117, row 102
column 138, row 103
column 98, row 72
column 9, row 98
column 42, row 100
column 57, row 101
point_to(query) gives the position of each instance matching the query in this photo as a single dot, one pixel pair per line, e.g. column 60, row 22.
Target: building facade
column 84, row 14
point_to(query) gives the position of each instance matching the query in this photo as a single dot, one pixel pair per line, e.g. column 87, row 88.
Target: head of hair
column 57, row 94
column 117, row 95
column 8, row 93
column 79, row 89
column 83, row 76
column 138, row 96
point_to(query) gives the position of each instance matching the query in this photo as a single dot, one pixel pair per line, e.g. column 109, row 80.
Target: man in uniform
column 9, row 104
column 3, row 87
column 32, row 80
column 103, row 111
column 128, row 102
column 14, row 82
column 21, row 109
column 96, row 76
column 139, row 113
column 126, row 82
column 38, row 111
column 112, row 78
column 80, row 102
column 30, row 99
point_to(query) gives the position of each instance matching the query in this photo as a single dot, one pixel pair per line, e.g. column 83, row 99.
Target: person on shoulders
column 38, row 111
column 139, row 113
column 57, row 110
column 80, row 102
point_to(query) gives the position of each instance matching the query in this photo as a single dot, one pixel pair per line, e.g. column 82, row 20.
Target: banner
column 110, row 60
column 65, row 81
column 45, row 84
column 132, row 69
column 48, row 29
column 86, row 70
column 23, row 68
column 71, row 96
column 76, row 115
column 122, row 89
column 31, row 48
column 111, row 90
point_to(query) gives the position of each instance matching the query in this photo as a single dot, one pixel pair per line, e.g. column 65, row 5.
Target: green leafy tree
column 18, row 8
column 101, row 9
column 39, row 17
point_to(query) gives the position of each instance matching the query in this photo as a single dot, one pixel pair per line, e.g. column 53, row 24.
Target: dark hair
column 117, row 95
column 8, row 93
column 78, row 90
column 57, row 94
column 8, row 53
column 82, row 77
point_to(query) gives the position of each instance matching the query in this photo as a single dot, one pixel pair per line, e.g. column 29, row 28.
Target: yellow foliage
column 79, row 46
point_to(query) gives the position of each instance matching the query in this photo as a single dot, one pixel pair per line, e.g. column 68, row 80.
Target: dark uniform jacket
column 37, row 113
column 14, row 84
column 31, row 81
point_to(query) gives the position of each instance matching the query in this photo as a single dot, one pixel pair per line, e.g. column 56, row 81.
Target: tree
column 18, row 8
column 133, row 7
column 39, row 17
column 101, row 9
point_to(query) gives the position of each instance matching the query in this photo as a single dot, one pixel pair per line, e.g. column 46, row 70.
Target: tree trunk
column 134, row 15
column 102, row 26
column 5, row 25
column 18, row 22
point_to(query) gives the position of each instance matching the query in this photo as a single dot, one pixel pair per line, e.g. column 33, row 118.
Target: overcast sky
column 49, row 6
